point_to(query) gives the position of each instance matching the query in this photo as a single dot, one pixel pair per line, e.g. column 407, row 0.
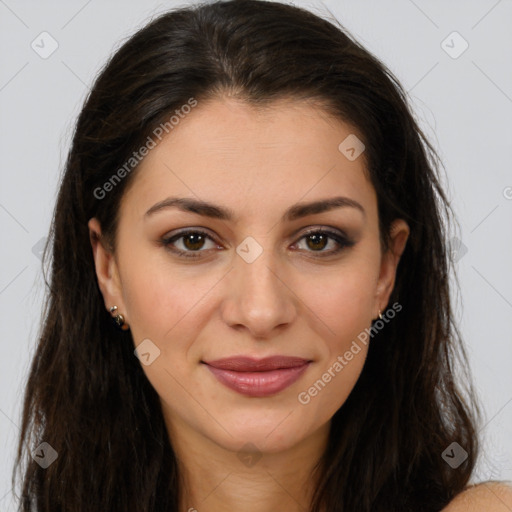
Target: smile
column 258, row 378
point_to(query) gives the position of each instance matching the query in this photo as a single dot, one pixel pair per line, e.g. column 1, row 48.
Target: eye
column 190, row 243
column 318, row 239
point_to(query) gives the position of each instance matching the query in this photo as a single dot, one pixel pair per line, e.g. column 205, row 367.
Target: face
column 259, row 275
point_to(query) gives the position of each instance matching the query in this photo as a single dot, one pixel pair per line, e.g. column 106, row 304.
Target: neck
column 215, row 479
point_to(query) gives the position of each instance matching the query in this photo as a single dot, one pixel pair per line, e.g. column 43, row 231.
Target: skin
column 486, row 497
column 289, row 301
column 257, row 164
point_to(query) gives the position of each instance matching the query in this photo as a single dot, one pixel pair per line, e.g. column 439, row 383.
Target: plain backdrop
column 452, row 57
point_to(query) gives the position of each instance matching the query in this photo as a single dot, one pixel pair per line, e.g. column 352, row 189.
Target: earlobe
column 106, row 267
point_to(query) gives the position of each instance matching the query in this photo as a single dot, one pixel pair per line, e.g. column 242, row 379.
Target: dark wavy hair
column 87, row 395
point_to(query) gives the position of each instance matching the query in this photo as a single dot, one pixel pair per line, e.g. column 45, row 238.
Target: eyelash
column 341, row 240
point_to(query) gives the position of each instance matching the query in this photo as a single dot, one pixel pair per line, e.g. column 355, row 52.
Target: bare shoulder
column 483, row 497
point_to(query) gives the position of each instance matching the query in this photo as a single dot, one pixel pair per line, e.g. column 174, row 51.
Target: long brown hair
column 87, row 395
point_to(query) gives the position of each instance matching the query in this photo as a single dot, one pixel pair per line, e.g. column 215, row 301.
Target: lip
column 258, row 377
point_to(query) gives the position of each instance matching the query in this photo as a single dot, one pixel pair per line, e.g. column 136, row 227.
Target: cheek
column 343, row 300
column 332, row 385
column 171, row 306
column 165, row 307
column 160, row 302
column 347, row 312
column 345, row 306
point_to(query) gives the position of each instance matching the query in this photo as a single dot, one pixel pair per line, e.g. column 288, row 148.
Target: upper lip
column 249, row 364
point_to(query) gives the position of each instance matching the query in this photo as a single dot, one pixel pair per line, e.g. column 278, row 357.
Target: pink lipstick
column 258, row 377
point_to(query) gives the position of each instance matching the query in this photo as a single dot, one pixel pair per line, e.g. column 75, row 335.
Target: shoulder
column 484, row 497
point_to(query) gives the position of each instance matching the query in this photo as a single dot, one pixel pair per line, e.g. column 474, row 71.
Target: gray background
column 463, row 103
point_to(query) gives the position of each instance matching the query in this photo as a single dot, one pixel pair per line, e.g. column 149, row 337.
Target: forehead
column 253, row 160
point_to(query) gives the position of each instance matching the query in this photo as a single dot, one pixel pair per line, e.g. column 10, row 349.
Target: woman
column 249, row 301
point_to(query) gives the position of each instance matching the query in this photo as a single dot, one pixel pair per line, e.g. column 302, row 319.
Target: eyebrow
column 214, row 211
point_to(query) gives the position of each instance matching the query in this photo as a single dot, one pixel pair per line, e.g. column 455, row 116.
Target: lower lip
column 259, row 383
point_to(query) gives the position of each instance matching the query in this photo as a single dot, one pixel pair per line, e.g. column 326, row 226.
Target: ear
column 399, row 232
column 106, row 269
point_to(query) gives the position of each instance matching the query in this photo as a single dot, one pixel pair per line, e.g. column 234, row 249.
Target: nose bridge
column 259, row 276
column 256, row 272
column 259, row 298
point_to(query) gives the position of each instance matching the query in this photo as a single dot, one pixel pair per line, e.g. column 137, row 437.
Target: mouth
column 258, row 377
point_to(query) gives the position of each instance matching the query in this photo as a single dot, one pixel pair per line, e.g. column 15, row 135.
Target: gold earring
column 119, row 319
column 380, row 315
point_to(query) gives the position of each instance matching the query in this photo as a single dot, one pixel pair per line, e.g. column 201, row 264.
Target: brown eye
column 317, row 241
column 189, row 242
column 193, row 241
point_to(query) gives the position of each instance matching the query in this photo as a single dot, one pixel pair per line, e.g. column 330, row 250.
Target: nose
column 258, row 298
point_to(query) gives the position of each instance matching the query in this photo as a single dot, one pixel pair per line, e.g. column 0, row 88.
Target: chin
column 264, row 431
